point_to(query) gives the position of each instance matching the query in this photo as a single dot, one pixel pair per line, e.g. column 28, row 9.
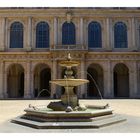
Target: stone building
column 106, row 42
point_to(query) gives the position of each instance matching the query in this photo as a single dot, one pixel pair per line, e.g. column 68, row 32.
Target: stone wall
column 107, row 57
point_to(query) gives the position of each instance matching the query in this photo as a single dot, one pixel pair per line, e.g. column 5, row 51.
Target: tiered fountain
column 68, row 113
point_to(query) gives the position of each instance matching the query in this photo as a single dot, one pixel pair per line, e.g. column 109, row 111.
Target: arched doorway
column 15, row 81
column 42, row 76
column 95, row 74
column 121, row 80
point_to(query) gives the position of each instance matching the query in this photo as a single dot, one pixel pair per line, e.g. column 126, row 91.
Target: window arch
column 120, row 35
column 68, row 34
column 42, row 35
column 94, row 35
column 16, row 35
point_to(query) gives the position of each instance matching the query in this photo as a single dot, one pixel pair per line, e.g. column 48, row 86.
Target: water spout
column 41, row 92
column 96, row 85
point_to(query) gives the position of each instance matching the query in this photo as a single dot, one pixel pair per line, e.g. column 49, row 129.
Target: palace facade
column 106, row 42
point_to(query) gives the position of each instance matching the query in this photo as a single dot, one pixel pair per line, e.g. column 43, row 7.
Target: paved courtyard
column 130, row 109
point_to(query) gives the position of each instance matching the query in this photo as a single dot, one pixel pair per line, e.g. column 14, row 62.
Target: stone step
column 41, row 119
column 100, row 122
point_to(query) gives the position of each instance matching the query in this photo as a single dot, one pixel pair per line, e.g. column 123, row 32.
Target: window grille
column 16, row 35
column 120, row 35
column 68, row 34
column 42, row 35
column 94, row 35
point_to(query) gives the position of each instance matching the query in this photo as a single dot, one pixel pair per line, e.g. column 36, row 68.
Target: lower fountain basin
column 69, row 82
column 60, row 116
column 45, row 118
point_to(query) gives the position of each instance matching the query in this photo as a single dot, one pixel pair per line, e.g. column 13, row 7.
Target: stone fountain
column 69, row 100
column 68, row 112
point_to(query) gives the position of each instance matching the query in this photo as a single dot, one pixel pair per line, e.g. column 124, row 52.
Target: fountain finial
column 69, row 57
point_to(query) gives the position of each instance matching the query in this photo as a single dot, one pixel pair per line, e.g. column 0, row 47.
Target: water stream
column 41, row 92
column 96, row 85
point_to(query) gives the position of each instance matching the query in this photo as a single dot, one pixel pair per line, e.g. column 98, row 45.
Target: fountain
column 69, row 99
column 68, row 112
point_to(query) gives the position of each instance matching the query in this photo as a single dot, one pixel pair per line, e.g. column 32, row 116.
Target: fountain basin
column 50, row 114
column 69, row 63
column 69, row 82
column 69, row 97
column 44, row 118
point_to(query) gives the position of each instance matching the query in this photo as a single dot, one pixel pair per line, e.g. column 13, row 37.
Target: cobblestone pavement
column 128, row 108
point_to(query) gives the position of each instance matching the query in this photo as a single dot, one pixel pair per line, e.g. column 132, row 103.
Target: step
column 102, row 122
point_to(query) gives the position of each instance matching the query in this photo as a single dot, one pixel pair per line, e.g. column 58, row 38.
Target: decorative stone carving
column 69, row 16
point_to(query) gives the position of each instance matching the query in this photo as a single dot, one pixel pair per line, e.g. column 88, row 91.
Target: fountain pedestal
column 69, row 98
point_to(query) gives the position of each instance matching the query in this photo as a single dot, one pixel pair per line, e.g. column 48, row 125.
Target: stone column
column 53, row 76
column 129, row 35
column 5, row 74
column 108, row 45
column 111, row 36
column 29, row 34
column 2, row 33
column 83, row 75
column 134, row 46
column 31, row 81
column 108, row 81
column 81, row 31
column 7, row 35
column 55, row 31
column 27, row 81
column 1, row 80
column 133, row 81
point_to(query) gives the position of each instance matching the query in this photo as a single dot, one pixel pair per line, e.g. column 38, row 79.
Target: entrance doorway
column 121, row 81
column 42, row 76
column 95, row 71
column 15, row 81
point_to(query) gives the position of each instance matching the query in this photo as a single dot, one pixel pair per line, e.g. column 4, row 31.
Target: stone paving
column 129, row 108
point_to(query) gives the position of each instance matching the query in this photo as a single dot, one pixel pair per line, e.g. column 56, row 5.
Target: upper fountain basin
column 69, row 63
column 69, row 82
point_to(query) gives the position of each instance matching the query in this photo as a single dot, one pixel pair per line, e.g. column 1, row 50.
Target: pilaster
column 83, row 73
column 55, row 31
column 134, row 46
column 5, row 74
column 108, row 81
column 2, row 33
column 1, row 79
column 81, row 31
column 53, row 76
column 29, row 34
column 111, row 29
column 27, row 81
column 108, row 46
column 133, row 81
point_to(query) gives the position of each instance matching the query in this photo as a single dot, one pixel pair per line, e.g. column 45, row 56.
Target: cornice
column 48, row 56
column 76, row 12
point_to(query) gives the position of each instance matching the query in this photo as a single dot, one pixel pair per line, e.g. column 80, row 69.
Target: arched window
column 16, row 35
column 94, row 35
column 120, row 35
column 42, row 35
column 139, row 34
column 68, row 33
